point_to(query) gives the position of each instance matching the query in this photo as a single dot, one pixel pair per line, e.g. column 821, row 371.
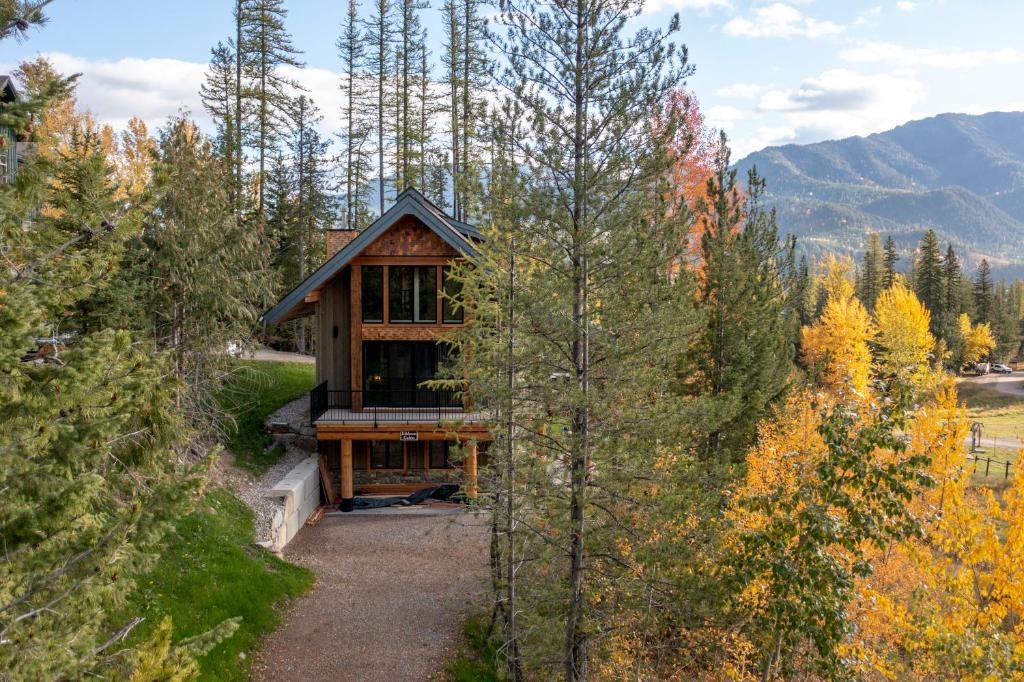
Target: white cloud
column 841, row 103
column 723, row 116
column 155, row 89
column 949, row 58
column 868, row 16
column 779, row 20
column 151, row 89
column 651, row 6
column 765, row 136
column 905, row 5
column 740, row 90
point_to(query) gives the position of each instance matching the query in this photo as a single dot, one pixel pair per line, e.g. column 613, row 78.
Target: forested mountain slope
column 961, row 175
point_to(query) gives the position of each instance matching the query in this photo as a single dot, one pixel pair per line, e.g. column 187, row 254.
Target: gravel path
column 390, row 597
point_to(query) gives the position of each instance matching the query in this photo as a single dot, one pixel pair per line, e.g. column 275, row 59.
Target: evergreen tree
column 952, row 303
column 267, row 47
column 380, row 36
column 409, row 56
column 451, row 60
column 90, row 444
column 218, row 95
column 601, row 320
column 356, row 132
column 873, row 273
column 314, row 205
column 198, row 279
column 474, row 81
column 743, row 357
column 928, row 278
column 984, row 295
column 1005, row 324
column 889, row 260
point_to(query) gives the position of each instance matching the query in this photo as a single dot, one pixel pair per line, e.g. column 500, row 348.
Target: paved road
column 280, row 356
column 390, row 597
column 1012, row 384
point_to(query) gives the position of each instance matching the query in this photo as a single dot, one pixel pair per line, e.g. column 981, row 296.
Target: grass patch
column 215, row 572
column 1001, row 414
column 256, row 390
column 478, row 659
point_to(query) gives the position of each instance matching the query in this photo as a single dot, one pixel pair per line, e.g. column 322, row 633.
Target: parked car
column 999, row 368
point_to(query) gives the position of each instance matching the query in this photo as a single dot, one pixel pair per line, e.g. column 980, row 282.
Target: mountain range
column 960, row 175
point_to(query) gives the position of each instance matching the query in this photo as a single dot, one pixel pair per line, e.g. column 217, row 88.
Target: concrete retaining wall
column 299, row 495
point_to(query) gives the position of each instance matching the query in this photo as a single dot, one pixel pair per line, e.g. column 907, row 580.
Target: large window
column 412, row 294
column 386, row 454
column 373, row 293
column 451, row 313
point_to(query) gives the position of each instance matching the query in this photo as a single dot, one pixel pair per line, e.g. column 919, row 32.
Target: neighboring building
column 379, row 313
column 8, row 138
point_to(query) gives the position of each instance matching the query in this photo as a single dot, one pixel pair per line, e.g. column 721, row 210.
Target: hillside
column 961, row 175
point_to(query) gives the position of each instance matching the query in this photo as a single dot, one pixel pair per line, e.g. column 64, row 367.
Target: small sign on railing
column 409, row 436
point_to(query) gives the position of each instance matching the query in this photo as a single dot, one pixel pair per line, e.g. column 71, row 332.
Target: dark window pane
column 439, row 455
column 452, row 290
column 426, row 294
column 378, row 454
column 386, row 454
column 400, row 293
column 373, row 293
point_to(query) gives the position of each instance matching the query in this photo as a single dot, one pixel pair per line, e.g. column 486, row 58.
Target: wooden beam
column 471, row 490
column 325, row 479
column 362, row 432
column 346, row 474
column 312, row 297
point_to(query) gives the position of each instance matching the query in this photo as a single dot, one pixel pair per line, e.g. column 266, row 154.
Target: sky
column 767, row 72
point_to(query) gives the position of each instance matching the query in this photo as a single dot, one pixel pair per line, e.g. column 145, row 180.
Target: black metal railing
column 375, row 406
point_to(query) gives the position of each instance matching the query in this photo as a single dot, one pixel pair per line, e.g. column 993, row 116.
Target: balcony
column 375, row 407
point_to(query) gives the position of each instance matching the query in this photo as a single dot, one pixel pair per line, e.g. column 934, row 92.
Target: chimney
column 339, row 239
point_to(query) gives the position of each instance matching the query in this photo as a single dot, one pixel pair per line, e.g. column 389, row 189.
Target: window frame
column 416, row 272
column 389, row 446
column 446, row 455
column 383, row 293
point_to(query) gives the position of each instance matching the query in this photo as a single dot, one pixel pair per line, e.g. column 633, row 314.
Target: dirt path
column 390, row 597
column 280, row 356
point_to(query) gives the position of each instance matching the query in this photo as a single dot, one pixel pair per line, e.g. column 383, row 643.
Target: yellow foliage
column 903, row 334
column 977, row 339
column 837, row 344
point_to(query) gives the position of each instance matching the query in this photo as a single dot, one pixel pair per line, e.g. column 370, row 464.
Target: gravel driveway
column 390, row 597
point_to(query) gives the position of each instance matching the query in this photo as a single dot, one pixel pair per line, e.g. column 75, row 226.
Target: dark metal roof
column 460, row 236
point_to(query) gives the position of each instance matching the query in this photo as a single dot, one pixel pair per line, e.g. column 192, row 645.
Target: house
column 8, row 137
column 379, row 314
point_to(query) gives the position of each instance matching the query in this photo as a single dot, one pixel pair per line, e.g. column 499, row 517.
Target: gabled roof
column 8, row 93
column 457, row 234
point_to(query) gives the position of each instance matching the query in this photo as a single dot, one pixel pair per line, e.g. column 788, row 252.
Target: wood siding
column 334, row 352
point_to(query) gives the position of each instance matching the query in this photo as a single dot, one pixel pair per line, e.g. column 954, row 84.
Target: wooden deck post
column 471, row 470
column 346, row 475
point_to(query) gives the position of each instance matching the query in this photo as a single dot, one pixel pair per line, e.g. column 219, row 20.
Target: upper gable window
column 373, row 293
column 412, row 294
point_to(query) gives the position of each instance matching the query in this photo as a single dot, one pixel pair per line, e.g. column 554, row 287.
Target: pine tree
column 380, row 34
column 356, row 132
column 952, row 303
column 984, row 298
column 409, row 56
column 218, row 95
column 744, row 353
column 889, row 260
column 451, row 59
column 599, row 250
column 928, row 278
column 268, row 48
column 314, row 204
column 873, row 273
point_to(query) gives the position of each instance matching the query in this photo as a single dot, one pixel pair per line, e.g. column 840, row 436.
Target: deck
column 373, row 408
column 397, row 415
